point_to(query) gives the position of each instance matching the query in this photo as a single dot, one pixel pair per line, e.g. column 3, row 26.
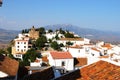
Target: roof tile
column 61, row 55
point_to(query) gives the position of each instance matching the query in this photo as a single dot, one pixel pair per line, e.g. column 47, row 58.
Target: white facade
column 77, row 52
column 21, row 45
column 94, row 52
column 52, row 35
column 75, row 41
column 68, row 64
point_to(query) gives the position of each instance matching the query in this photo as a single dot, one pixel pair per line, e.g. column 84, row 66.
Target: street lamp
column 1, row 3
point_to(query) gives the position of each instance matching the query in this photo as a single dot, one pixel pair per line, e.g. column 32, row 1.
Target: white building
column 94, row 52
column 21, row 46
column 61, row 59
column 75, row 41
column 52, row 35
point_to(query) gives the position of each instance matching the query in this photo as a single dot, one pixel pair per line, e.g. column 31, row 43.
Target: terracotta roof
column 106, row 56
column 95, row 49
column 100, row 70
column 107, row 45
column 8, row 65
column 76, row 46
column 61, row 55
column 80, row 61
column 73, row 39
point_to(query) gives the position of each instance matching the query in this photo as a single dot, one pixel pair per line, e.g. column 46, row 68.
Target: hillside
column 7, row 35
column 93, row 34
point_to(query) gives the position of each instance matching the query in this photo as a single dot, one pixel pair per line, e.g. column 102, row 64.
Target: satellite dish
column 1, row 3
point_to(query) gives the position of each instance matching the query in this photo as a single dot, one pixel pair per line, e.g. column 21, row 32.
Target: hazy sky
column 95, row 14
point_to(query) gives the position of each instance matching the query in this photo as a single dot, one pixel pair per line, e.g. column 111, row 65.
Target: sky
column 94, row 14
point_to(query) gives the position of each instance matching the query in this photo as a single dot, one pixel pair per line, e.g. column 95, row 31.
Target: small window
column 24, row 46
column 63, row 63
column 18, row 46
column 92, row 54
column 18, row 55
column 17, row 49
column 21, row 50
column 18, row 42
column 78, row 51
column 24, row 42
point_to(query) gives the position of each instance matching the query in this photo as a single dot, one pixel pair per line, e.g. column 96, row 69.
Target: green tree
column 50, row 30
column 69, row 43
column 40, row 42
column 61, row 31
column 61, row 45
column 2, row 51
column 9, row 52
column 68, row 35
column 56, row 37
column 55, row 45
column 41, row 30
column 30, row 56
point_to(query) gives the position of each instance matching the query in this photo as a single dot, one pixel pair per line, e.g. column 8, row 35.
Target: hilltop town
column 39, row 54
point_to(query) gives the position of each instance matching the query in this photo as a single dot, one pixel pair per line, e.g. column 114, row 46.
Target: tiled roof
column 60, row 55
column 107, row 45
column 8, row 65
column 95, row 49
column 106, row 56
column 100, row 70
column 80, row 61
column 73, row 39
column 76, row 46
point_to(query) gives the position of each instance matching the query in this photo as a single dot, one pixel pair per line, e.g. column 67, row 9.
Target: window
column 63, row 63
column 18, row 42
column 24, row 46
column 24, row 42
column 92, row 54
column 78, row 51
column 18, row 55
column 21, row 50
column 18, row 46
column 17, row 49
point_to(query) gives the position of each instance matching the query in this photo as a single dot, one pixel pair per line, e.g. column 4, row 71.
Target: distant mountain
column 93, row 34
column 7, row 35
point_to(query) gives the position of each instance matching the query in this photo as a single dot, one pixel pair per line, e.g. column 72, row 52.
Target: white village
column 77, row 53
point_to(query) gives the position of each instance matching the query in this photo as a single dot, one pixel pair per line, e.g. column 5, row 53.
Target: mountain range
column 108, row 36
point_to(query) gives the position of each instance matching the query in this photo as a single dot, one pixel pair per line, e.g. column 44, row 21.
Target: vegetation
column 61, row 31
column 55, row 45
column 69, row 35
column 25, row 31
column 30, row 56
column 41, row 30
column 69, row 43
column 40, row 42
column 50, row 30
column 7, row 52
